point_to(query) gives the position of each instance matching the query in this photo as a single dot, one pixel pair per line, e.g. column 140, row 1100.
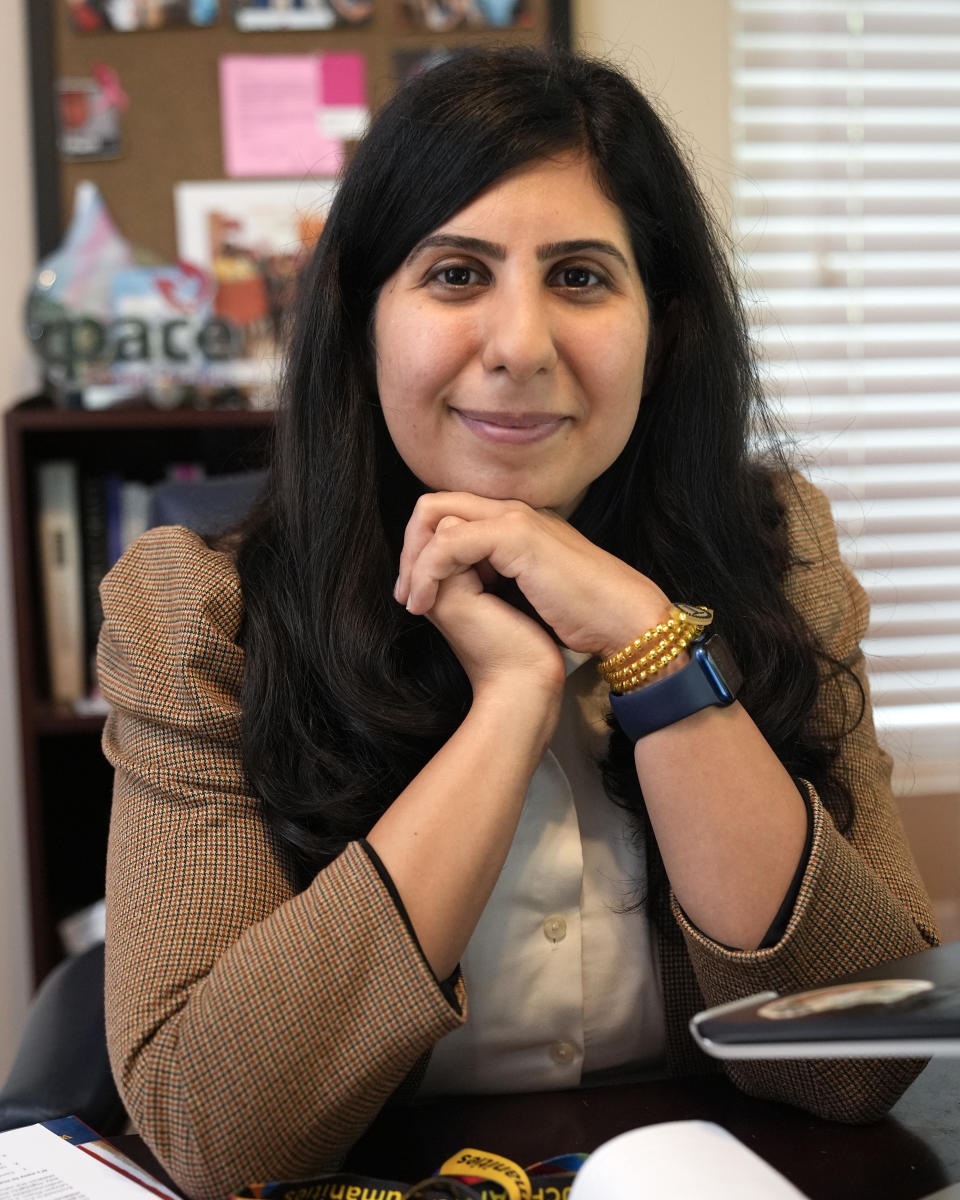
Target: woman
column 365, row 741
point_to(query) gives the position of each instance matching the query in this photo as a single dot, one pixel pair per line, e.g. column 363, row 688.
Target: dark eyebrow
column 558, row 249
column 457, row 242
column 498, row 252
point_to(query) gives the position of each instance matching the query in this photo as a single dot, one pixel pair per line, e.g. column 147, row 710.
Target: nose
column 519, row 338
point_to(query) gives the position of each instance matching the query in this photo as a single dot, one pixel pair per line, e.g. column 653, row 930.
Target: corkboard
column 171, row 131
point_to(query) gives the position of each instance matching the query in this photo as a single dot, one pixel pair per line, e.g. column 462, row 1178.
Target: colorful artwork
column 252, row 238
column 256, row 16
column 128, row 16
column 109, row 324
column 444, row 16
column 88, row 112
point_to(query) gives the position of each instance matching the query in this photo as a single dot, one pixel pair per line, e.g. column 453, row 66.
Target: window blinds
column 846, row 135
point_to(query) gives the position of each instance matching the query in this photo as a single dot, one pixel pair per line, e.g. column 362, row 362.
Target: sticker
column 844, row 995
column 478, row 1164
column 89, row 113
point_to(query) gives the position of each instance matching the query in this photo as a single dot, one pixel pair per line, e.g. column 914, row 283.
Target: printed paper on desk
column 679, row 1160
column 36, row 1161
column 288, row 114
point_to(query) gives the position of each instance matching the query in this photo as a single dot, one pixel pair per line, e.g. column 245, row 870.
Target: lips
column 516, row 427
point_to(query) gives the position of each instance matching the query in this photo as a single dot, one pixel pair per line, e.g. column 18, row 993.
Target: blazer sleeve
column 253, row 1032
column 861, row 900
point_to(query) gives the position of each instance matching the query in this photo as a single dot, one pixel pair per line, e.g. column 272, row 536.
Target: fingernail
column 396, row 590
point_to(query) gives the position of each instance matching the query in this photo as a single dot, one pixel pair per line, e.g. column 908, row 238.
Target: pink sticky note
column 269, row 117
column 343, row 79
column 342, row 94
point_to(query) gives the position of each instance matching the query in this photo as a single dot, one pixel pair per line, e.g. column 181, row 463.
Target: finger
column 464, row 610
column 479, row 627
column 459, row 545
column 452, row 593
column 429, row 510
column 444, row 556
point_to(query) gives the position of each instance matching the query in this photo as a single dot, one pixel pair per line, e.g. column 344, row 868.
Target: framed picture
column 253, row 238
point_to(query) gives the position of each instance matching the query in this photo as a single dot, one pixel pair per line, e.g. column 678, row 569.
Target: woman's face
column 511, row 342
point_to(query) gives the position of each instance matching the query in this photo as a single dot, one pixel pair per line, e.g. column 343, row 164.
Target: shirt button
column 562, row 1053
column 554, row 929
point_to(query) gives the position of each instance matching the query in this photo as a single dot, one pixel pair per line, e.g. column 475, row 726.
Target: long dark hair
column 345, row 695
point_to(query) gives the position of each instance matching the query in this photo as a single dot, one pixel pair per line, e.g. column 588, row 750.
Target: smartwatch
column 710, row 677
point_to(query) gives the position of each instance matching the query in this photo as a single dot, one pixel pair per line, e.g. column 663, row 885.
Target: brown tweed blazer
column 254, row 1033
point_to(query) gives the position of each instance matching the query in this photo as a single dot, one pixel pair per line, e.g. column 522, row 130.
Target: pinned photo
column 253, row 239
column 88, row 112
column 444, row 16
column 256, row 16
column 129, row 16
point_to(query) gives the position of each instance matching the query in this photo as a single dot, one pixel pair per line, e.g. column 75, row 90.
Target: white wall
column 16, row 254
column 687, row 73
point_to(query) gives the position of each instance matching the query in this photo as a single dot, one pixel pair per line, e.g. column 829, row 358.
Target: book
column 134, row 511
column 61, row 571
column 907, row 1008
column 679, row 1160
column 65, row 1159
column 113, row 488
column 208, row 506
column 93, row 524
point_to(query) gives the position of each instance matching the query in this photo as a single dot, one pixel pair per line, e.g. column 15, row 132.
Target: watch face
column 724, row 674
column 697, row 614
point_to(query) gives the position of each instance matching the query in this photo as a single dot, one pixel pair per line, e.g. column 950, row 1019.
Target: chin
column 527, row 492
column 534, row 499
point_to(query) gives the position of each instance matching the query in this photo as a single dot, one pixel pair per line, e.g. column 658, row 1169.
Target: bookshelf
column 67, row 781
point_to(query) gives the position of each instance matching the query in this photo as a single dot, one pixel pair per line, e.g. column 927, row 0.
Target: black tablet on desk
column 908, row 1008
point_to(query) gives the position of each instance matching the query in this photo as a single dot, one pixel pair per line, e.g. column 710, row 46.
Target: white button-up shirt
column 560, row 973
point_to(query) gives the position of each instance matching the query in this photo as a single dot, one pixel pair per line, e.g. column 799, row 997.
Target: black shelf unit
column 67, row 782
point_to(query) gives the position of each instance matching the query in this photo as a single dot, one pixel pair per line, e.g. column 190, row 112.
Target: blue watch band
column 710, row 677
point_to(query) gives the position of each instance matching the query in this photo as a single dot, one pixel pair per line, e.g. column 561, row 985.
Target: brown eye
column 578, row 277
column 456, row 276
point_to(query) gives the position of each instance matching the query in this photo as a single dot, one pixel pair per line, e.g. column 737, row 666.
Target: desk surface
column 908, row 1155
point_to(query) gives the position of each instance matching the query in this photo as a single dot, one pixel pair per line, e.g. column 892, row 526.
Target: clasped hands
column 457, row 546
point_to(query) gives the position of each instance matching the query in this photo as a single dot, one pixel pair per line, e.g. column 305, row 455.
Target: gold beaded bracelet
column 634, row 665
column 631, row 666
column 631, row 679
column 663, row 634
column 679, row 615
